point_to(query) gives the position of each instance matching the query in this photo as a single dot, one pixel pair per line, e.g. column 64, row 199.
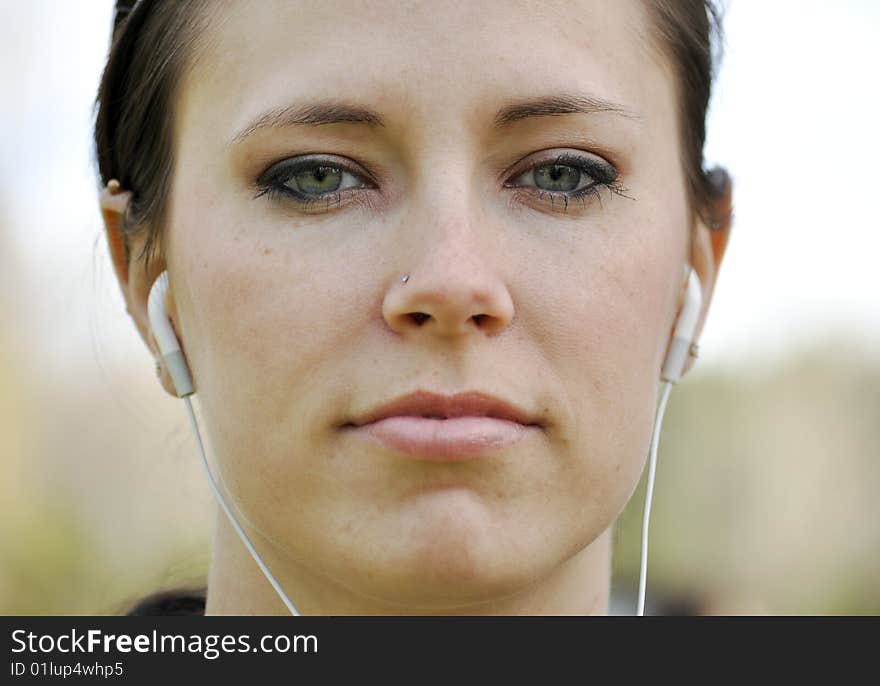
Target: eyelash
column 272, row 182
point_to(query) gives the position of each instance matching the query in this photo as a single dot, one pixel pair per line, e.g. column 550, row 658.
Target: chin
column 450, row 551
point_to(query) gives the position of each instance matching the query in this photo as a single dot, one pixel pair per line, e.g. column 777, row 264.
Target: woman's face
column 295, row 320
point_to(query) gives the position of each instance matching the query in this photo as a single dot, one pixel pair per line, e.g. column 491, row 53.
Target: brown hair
column 154, row 42
column 690, row 35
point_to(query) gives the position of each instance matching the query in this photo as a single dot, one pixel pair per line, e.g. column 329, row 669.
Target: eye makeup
column 299, row 181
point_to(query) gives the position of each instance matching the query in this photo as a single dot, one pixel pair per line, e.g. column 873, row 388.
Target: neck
column 236, row 586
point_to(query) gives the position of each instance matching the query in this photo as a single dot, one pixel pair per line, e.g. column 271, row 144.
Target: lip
column 445, row 428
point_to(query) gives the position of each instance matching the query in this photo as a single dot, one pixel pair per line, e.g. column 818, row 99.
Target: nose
column 455, row 286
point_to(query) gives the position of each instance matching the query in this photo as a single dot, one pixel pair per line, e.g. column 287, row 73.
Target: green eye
column 558, row 177
column 318, row 180
column 307, row 180
column 568, row 177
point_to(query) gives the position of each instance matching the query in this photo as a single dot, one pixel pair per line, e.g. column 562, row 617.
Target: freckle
column 267, row 251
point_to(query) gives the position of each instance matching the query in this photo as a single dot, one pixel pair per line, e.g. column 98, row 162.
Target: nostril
column 419, row 317
column 478, row 318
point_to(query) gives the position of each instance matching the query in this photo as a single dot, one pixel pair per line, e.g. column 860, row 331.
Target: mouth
column 434, row 427
column 450, row 439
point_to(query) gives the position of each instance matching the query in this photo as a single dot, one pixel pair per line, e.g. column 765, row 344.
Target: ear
column 709, row 244
column 134, row 281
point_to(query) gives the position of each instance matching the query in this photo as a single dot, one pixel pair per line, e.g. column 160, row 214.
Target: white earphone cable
column 649, row 490
column 229, row 515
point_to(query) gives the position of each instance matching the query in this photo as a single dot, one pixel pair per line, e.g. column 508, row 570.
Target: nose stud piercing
column 405, row 278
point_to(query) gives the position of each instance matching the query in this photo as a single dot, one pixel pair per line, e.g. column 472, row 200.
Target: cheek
column 609, row 332
column 266, row 310
column 603, row 329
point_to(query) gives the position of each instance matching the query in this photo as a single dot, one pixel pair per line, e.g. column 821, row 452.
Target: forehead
column 419, row 61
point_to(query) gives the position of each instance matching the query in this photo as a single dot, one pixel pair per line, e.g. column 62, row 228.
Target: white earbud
column 683, row 336
column 163, row 332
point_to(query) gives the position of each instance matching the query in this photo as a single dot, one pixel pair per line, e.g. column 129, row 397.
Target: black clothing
column 170, row 603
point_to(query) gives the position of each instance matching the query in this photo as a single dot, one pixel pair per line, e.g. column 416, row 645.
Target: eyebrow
column 552, row 105
column 337, row 112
